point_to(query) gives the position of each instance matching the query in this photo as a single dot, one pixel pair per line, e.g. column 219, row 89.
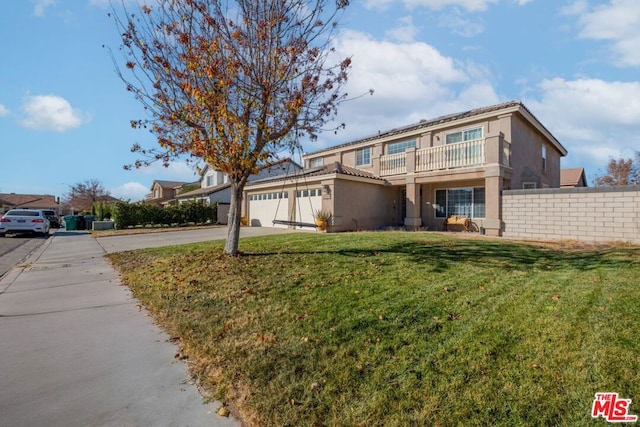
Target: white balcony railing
column 393, row 164
column 451, row 156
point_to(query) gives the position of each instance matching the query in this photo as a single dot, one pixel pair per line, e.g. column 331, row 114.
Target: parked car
column 52, row 216
column 24, row 221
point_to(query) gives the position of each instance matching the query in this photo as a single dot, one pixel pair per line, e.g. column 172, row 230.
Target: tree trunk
column 235, row 212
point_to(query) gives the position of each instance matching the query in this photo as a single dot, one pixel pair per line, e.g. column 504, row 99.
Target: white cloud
column 616, row 22
column 594, row 119
column 406, row 31
column 41, row 5
column 411, row 80
column 3, row 110
column 176, row 171
column 50, row 112
column 460, row 25
column 133, row 191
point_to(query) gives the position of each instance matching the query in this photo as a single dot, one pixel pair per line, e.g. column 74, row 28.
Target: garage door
column 263, row 208
column 307, row 203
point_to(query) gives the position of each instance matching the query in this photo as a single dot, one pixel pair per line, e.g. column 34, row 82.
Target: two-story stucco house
column 418, row 175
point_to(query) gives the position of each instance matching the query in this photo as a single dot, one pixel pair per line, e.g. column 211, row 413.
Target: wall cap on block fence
column 574, row 190
column 102, row 225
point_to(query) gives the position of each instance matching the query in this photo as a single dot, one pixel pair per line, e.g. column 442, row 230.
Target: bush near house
column 128, row 215
column 400, row 329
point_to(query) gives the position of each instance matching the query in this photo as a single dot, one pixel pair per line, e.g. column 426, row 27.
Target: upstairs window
column 317, row 162
column 544, row 157
column 210, row 180
column 363, row 156
column 465, row 135
column 400, row 147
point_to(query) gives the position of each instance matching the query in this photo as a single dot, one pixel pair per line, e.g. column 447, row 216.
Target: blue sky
column 64, row 114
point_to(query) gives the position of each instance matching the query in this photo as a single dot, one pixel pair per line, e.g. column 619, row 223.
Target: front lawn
column 399, row 329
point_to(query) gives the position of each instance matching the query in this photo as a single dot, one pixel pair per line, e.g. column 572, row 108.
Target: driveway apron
column 76, row 349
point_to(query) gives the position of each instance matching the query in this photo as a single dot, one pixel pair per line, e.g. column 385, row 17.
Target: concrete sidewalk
column 77, row 350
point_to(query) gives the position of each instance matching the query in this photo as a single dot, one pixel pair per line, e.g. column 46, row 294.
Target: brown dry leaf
column 602, row 308
column 223, row 412
column 555, row 297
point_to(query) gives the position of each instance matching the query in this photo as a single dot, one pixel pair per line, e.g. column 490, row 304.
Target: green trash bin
column 70, row 222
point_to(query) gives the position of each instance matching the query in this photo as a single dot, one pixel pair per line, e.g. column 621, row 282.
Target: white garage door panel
column 306, row 207
column 263, row 212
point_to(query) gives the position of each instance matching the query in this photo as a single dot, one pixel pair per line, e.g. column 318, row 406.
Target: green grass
column 399, row 329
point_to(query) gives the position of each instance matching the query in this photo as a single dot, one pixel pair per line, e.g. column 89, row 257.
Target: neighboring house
column 86, row 204
column 164, row 192
column 215, row 185
column 29, row 201
column 572, row 178
column 418, row 175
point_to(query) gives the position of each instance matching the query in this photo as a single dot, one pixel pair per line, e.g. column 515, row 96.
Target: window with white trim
column 269, row 196
column 401, row 146
column 544, row 157
column 464, row 135
column 309, row 193
column 317, row 162
column 461, row 201
column 211, row 180
column 363, row 156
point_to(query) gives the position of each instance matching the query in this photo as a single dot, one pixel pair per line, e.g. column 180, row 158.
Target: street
column 15, row 248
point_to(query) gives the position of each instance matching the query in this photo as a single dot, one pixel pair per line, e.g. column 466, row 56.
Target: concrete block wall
column 599, row 214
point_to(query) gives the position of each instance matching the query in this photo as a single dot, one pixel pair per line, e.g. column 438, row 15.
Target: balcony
column 465, row 154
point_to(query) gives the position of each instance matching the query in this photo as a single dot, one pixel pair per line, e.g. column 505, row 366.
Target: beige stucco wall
column 360, row 205
column 587, row 214
column 526, row 156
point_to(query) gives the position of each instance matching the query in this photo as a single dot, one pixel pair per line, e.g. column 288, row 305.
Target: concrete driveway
column 76, row 349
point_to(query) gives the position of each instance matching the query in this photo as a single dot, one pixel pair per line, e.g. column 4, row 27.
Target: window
column 465, row 135
column 309, row 193
column 400, row 147
column 479, row 206
column 461, row 201
column 363, row 156
column 317, row 162
column 544, row 157
column 210, row 180
column 529, row 185
column 269, row 196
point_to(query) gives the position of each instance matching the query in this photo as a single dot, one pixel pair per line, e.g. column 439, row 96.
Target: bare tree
column 232, row 83
column 82, row 195
column 620, row 172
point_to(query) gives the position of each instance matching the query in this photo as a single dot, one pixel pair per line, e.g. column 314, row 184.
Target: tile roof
column 202, row 191
column 29, row 200
column 170, row 184
column 437, row 121
column 330, row 169
column 572, row 177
